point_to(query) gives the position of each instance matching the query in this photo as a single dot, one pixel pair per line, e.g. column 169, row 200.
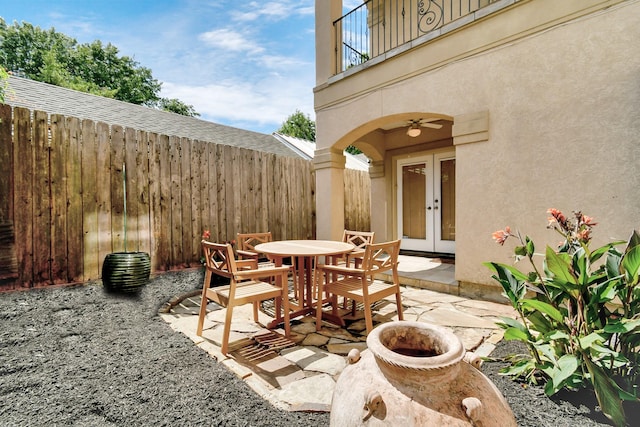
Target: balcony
column 378, row 27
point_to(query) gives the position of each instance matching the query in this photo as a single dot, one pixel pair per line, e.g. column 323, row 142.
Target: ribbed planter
column 126, row 272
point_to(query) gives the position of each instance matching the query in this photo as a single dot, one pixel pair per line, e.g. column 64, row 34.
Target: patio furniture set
column 321, row 271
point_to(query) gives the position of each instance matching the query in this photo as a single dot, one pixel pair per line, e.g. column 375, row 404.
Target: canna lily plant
column 579, row 313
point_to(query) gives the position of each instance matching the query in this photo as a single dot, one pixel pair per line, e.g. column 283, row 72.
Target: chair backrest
column 380, row 257
column 219, row 258
column 248, row 241
column 359, row 239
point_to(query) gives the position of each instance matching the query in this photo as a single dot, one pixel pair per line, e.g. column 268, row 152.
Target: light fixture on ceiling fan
column 415, row 126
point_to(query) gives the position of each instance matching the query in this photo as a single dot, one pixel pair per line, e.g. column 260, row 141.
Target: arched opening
column 412, row 171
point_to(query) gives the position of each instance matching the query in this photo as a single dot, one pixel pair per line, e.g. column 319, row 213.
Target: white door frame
column 433, row 241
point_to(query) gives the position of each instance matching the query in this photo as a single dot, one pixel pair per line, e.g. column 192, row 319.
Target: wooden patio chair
column 359, row 239
column 244, row 286
column 358, row 284
column 247, row 245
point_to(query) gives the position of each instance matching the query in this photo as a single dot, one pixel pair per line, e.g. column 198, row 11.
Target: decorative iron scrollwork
column 430, row 16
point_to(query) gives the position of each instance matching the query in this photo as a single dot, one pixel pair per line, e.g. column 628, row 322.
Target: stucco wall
column 564, row 111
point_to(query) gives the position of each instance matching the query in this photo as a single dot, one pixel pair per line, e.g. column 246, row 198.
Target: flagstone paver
column 302, row 376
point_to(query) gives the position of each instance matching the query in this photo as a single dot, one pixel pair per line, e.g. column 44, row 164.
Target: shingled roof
column 58, row 100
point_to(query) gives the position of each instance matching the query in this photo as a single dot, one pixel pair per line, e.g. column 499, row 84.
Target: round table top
column 304, row 247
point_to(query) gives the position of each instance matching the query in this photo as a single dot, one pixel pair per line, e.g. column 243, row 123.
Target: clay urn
column 416, row 374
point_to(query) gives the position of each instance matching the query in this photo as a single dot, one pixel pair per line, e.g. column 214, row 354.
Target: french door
column 426, row 202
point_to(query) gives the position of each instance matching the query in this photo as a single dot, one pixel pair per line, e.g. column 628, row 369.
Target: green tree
column 4, row 85
column 300, row 126
column 174, row 105
column 52, row 57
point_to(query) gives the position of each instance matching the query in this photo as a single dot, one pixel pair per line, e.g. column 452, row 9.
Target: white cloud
column 262, row 105
column 273, row 10
column 225, row 38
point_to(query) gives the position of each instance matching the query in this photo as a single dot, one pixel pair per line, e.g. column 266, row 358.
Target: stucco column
column 380, row 204
column 329, row 167
column 327, row 11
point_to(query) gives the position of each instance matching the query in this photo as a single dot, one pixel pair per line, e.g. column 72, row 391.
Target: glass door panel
column 426, row 203
column 414, row 193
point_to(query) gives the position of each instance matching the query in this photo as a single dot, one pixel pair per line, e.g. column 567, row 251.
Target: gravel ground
column 79, row 356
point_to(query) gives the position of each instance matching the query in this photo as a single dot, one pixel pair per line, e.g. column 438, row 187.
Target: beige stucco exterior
column 541, row 101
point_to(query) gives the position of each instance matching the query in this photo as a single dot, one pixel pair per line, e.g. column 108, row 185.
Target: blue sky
column 248, row 64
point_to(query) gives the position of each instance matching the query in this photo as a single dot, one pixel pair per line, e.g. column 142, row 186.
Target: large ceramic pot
column 416, row 374
column 126, row 272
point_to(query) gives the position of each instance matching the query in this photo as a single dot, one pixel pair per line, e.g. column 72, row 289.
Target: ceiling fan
column 416, row 125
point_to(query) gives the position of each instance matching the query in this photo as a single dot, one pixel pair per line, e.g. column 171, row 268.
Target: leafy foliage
column 300, row 126
column 4, row 77
column 579, row 315
column 54, row 58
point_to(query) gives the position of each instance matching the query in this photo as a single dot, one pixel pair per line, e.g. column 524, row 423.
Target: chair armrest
column 341, row 269
column 244, row 264
column 262, row 272
column 247, row 254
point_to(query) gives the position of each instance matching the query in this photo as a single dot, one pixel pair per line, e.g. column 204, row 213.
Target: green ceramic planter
column 126, row 272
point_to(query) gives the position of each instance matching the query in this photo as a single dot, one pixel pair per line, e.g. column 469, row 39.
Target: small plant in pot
column 126, row 272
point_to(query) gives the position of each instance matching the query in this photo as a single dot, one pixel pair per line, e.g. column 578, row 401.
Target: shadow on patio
column 299, row 373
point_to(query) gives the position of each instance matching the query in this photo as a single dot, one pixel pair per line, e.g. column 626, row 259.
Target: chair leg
column 368, row 318
column 399, row 305
column 285, row 307
column 320, row 287
column 203, row 303
column 227, row 330
column 255, row 311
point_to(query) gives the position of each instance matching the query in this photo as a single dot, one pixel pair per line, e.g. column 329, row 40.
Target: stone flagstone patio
column 299, row 373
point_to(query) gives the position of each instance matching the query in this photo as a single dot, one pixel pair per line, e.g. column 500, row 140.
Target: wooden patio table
column 304, row 255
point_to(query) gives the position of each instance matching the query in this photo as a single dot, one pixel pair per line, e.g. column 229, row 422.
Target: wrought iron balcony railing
column 378, row 26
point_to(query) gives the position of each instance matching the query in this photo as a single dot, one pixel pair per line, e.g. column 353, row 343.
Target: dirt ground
column 79, row 356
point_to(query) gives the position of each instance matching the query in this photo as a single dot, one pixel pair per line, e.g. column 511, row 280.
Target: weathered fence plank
column 90, row 210
column 75, row 194
column 58, row 159
column 117, row 188
column 41, row 200
column 8, row 259
column 6, row 166
column 155, row 218
column 23, row 202
column 165, row 245
column 103, row 192
column 187, row 201
column 132, row 243
column 142, row 192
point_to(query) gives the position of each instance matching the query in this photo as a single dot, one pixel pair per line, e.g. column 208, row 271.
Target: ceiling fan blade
column 431, row 125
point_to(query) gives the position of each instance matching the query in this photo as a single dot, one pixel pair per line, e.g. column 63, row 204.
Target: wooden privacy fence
column 62, row 197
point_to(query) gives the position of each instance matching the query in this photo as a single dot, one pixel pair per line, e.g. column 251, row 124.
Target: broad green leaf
column 606, row 393
column 621, row 326
column 566, row 366
column 514, row 288
column 515, row 334
column 560, row 268
column 630, row 265
column 514, row 271
column 544, row 307
column 540, row 322
column 598, row 253
column 558, row 335
column 603, row 292
column 590, row 340
column 547, row 352
column 509, row 321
